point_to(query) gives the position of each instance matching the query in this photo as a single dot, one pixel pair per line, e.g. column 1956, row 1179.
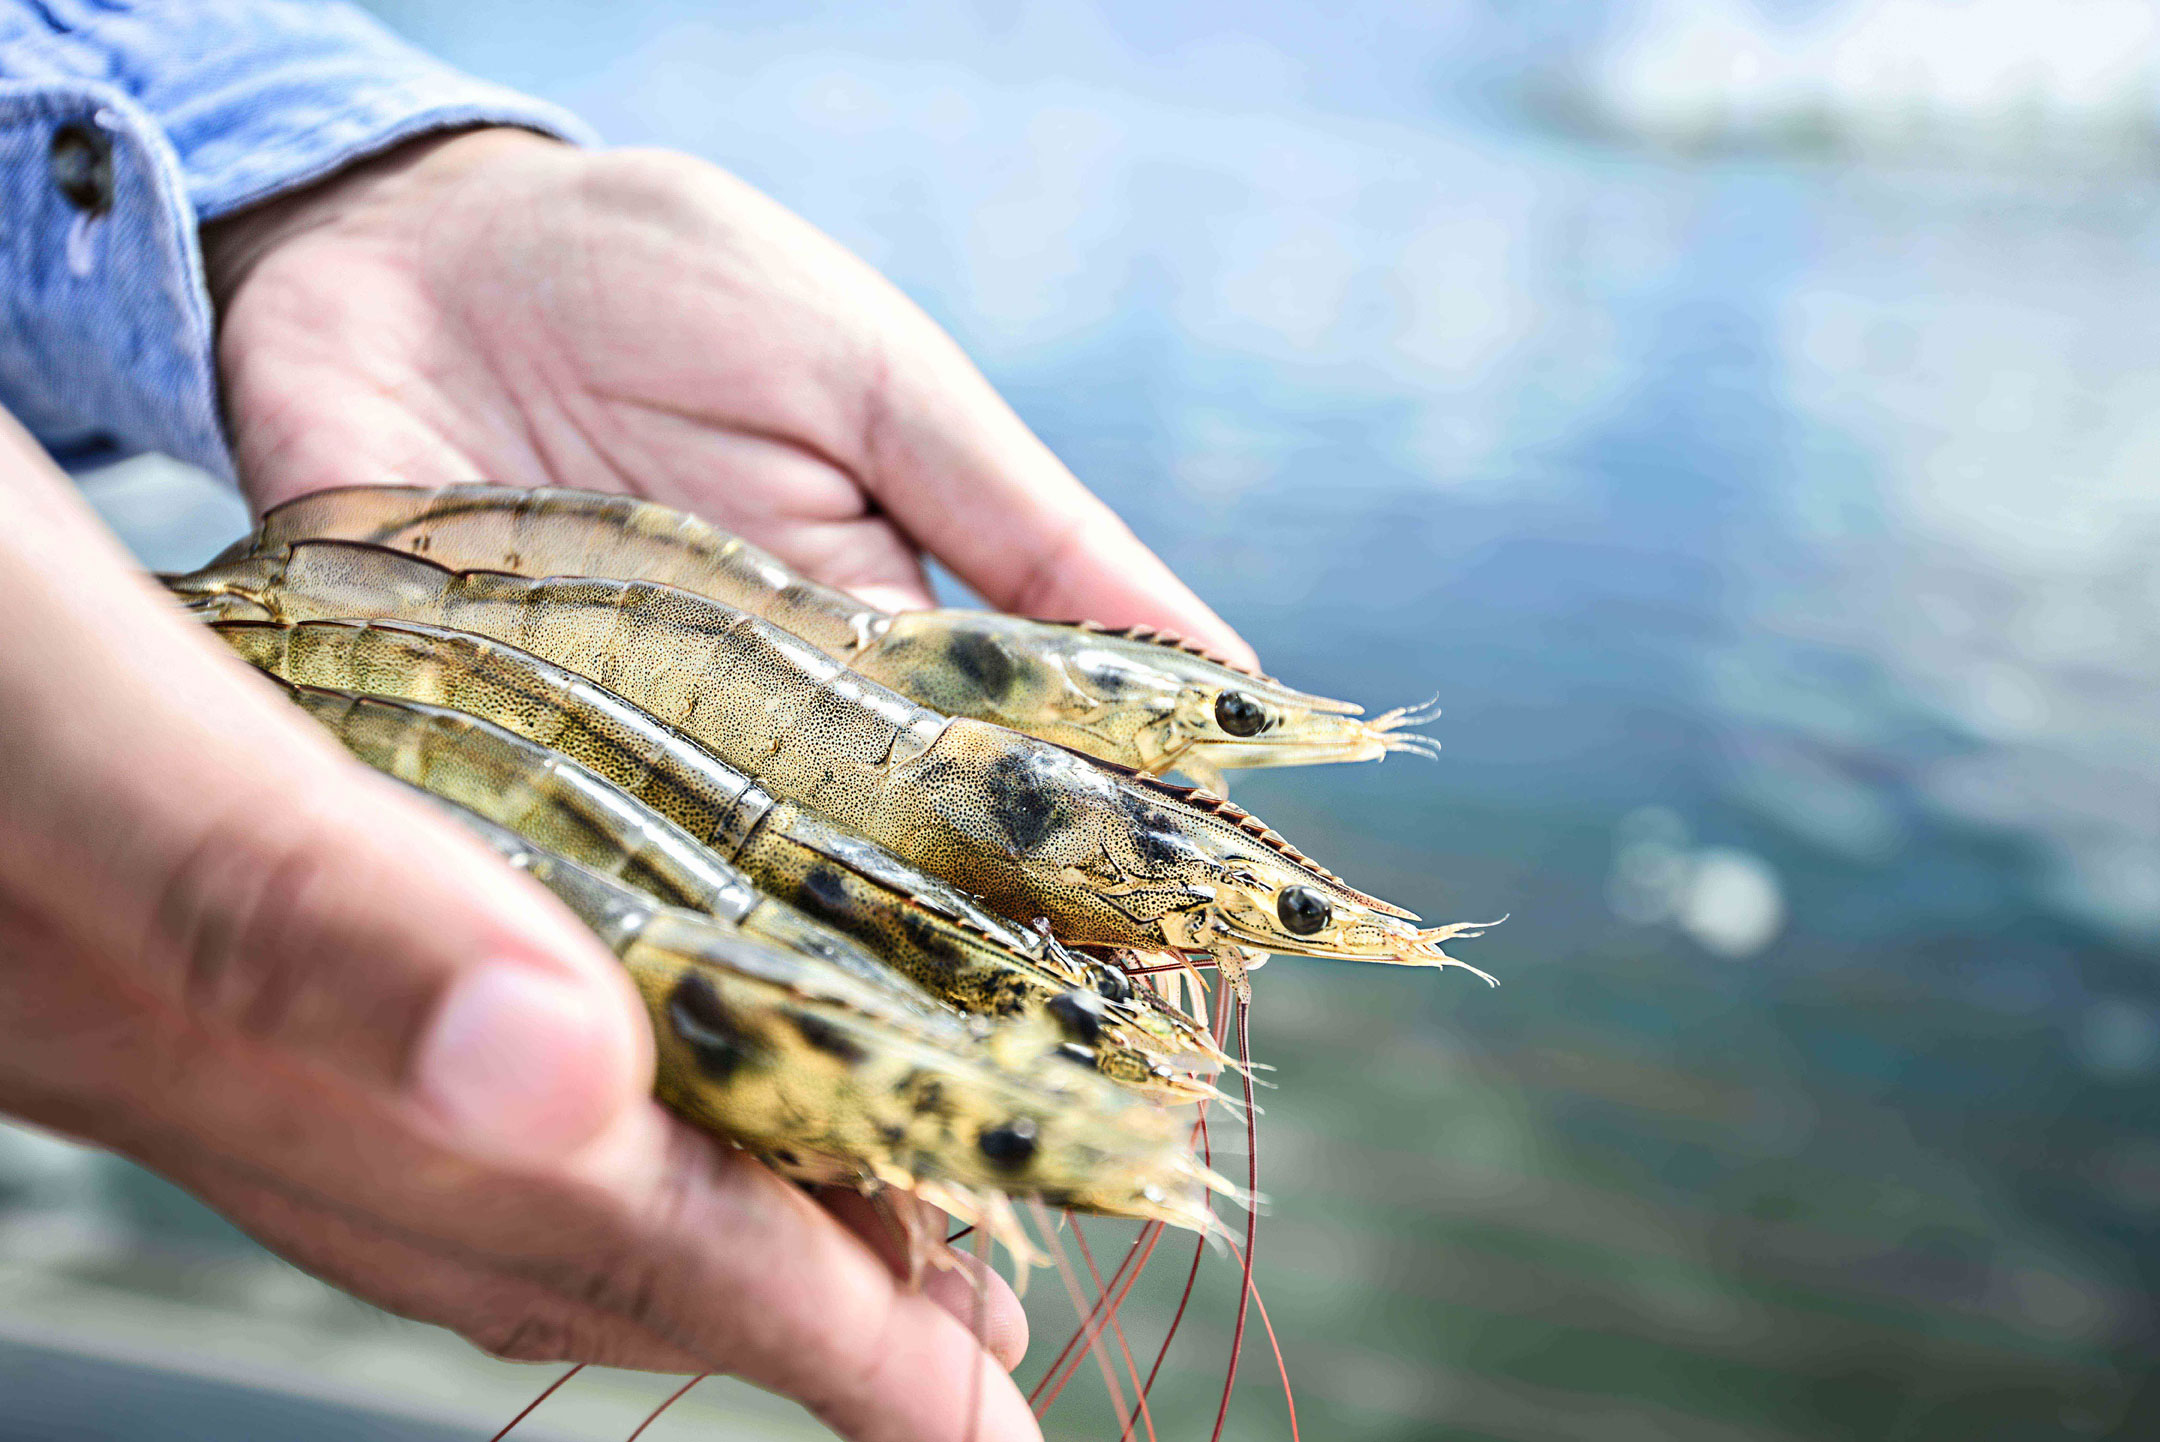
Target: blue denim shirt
column 124, row 125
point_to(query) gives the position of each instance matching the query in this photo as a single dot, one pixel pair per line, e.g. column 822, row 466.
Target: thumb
column 183, row 824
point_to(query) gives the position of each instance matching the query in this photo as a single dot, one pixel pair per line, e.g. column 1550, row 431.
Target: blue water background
column 1778, row 529
column 1762, row 520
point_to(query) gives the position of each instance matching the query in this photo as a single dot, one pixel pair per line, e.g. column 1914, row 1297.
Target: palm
column 560, row 332
column 507, row 309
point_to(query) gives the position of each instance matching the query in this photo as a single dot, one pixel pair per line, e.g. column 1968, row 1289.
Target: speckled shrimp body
column 1140, row 698
column 557, row 805
column 794, row 1060
column 1036, row 830
column 925, row 928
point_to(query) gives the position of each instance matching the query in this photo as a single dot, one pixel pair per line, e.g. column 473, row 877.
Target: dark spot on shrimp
column 825, row 890
column 927, row 936
column 1025, row 807
column 1080, row 1013
column 929, row 1098
column 786, row 1158
column 983, row 661
column 1154, row 832
column 827, row 1038
column 702, row 1020
column 1011, row 1146
column 891, row 1135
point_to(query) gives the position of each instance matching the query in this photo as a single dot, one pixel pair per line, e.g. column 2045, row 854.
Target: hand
column 229, row 952
column 497, row 306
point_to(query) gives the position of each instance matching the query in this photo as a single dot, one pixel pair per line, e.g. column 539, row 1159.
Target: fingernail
column 517, row 1065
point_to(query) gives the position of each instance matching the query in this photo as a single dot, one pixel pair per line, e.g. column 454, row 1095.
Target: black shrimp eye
column 1303, row 910
column 1238, row 714
column 1080, row 1013
column 1011, row 1145
column 1113, row 983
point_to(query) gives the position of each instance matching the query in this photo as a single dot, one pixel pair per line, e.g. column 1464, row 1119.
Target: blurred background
column 1745, row 415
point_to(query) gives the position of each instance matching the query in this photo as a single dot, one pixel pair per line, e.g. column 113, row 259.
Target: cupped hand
column 230, row 952
column 498, row 306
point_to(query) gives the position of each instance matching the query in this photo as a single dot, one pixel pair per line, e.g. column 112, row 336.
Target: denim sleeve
column 124, row 125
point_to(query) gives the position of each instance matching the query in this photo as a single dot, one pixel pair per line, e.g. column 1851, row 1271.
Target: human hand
column 234, row 955
column 494, row 305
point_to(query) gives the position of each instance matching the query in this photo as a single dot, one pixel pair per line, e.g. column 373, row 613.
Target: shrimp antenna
column 672, row 1398
column 1136, row 1258
column 981, row 1329
column 1282, row 1368
column 534, row 1405
column 1081, row 1309
column 1117, row 1330
column 1192, row 1275
column 1252, row 1222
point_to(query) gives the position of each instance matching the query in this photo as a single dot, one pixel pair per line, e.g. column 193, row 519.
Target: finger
column 963, row 475
column 168, row 811
column 969, row 1288
column 658, row 1247
column 964, row 1286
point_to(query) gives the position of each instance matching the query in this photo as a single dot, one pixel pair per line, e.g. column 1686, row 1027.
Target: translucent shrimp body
column 792, row 1059
column 927, row 929
column 1140, row 698
column 559, row 806
column 1036, row 830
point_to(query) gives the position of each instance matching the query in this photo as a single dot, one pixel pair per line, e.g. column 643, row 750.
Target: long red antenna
column 1081, row 1309
column 1184, row 1300
column 1192, row 1273
column 534, row 1405
column 981, row 1329
column 1136, row 1258
column 1147, row 1420
column 1281, row 1368
column 1252, row 1217
column 673, row 1397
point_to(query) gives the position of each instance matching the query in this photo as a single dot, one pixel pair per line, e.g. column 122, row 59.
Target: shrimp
column 558, row 805
column 800, row 1063
column 1136, row 696
column 933, row 933
column 1110, row 858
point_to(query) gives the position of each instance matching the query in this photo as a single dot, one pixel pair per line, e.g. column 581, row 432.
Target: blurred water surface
column 1757, row 456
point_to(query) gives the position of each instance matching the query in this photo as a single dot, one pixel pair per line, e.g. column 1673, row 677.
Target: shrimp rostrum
column 1135, row 696
column 1107, row 858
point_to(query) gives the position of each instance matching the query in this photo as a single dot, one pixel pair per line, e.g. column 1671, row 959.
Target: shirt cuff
column 186, row 112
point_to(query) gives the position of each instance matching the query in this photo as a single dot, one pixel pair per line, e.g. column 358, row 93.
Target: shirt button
column 82, row 167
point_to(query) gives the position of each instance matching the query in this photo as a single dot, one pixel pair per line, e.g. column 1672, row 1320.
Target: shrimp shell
column 1135, row 695
column 935, row 934
column 559, row 806
column 1035, row 829
column 796, row 1061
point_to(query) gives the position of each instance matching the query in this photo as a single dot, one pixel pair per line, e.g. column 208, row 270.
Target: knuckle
column 531, row 1336
column 631, row 1286
column 239, row 915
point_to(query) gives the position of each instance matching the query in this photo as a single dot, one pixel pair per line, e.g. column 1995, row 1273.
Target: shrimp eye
column 1011, row 1145
column 1080, row 1013
column 1113, row 983
column 1303, row 910
column 1238, row 714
